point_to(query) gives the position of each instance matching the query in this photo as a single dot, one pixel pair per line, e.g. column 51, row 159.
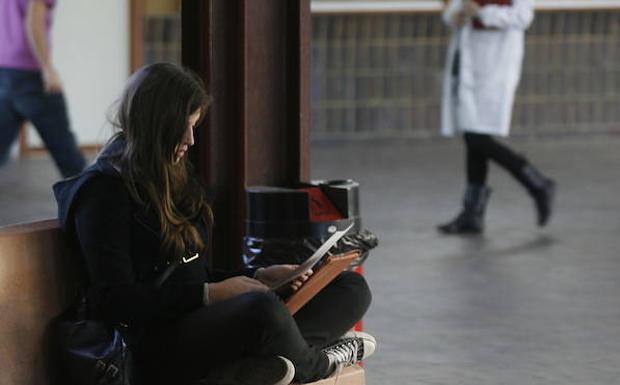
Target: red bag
column 477, row 23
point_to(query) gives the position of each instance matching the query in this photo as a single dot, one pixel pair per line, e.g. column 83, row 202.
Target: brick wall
column 379, row 75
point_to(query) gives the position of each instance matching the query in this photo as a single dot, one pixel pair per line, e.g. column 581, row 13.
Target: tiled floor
column 517, row 306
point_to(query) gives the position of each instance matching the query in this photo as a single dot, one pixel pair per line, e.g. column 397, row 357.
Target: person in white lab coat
column 481, row 76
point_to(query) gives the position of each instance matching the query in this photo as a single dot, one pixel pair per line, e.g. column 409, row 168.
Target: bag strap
column 164, row 276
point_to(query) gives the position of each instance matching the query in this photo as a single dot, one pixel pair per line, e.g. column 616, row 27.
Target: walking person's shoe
column 352, row 348
column 542, row 189
column 471, row 218
column 269, row 370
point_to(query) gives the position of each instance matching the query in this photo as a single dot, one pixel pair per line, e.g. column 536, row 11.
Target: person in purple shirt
column 30, row 88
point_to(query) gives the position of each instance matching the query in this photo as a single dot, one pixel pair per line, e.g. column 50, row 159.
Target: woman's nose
column 189, row 136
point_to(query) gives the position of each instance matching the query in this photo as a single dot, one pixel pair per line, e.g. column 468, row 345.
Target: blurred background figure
column 482, row 73
column 30, row 87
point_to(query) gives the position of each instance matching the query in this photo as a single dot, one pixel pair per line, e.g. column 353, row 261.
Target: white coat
column 490, row 68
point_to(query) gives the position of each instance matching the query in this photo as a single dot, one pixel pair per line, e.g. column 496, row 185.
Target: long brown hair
column 153, row 116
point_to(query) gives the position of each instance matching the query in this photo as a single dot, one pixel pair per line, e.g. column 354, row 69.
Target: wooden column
column 254, row 57
column 136, row 31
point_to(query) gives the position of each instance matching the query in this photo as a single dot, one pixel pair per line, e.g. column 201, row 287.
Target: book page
column 312, row 261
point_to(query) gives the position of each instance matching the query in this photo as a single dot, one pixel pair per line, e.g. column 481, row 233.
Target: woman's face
column 188, row 137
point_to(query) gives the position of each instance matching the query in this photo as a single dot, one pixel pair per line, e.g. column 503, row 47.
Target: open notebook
column 325, row 270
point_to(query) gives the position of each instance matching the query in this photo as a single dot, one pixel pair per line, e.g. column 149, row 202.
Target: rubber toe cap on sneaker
column 369, row 342
column 290, row 372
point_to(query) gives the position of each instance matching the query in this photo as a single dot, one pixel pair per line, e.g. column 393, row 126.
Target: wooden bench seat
column 38, row 279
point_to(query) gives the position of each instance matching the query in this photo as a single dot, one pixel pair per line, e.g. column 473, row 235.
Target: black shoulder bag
column 92, row 352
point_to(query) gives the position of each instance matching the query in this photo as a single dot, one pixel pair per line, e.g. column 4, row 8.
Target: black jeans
column 481, row 148
column 254, row 324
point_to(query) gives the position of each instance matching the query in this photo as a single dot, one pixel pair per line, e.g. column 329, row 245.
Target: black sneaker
column 352, row 348
column 274, row 370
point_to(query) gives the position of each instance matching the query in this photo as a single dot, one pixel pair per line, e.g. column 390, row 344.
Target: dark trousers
column 22, row 98
column 254, row 324
column 480, row 149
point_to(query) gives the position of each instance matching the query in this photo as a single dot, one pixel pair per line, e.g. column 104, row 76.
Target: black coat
column 121, row 246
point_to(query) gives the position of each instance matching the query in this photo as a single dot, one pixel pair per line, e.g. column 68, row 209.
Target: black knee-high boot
column 481, row 147
column 541, row 188
column 471, row 218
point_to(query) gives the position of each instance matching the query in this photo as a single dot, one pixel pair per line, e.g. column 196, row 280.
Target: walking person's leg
column 540, row 187
column 48, row 114
column 470, row 219
column 477, row 161
column 10, row 120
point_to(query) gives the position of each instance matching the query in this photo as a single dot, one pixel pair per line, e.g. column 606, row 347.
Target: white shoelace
column 344, row 353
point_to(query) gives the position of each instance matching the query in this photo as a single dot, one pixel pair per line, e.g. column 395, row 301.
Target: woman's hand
column 51, row 80
column 233, row 287
column 272, row 274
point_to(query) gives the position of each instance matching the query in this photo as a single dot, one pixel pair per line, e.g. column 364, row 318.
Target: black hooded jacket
column 120, row 243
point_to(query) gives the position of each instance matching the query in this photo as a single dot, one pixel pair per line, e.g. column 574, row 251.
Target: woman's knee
column 357, row 290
